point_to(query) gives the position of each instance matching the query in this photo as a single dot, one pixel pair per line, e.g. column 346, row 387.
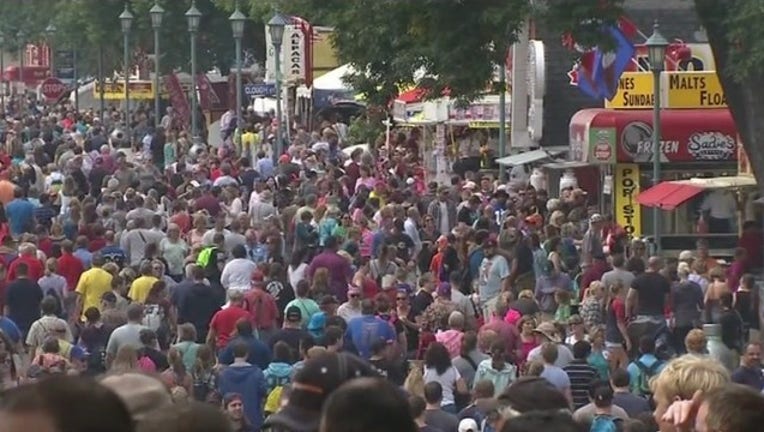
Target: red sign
column 52, row 88
column 702, row 135
column 178, row 100
column 602, row 151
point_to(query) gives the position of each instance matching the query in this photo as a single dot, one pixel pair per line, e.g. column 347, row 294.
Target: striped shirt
column 581, row 375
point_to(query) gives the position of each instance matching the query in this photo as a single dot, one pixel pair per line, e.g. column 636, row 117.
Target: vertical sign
column 178, row 100
column 293, row 56
column 627, row 210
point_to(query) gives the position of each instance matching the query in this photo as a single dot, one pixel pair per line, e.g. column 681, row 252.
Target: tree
column 737, row 40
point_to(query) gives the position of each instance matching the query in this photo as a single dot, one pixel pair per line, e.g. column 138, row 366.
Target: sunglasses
column 402, row 298
column 354, row 295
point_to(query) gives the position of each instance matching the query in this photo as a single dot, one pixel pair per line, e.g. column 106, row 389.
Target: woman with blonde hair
column 53, row 284
column 592, row 309
column 176, row 375
column 716, row 288
column 617, row 340
column 196, row 234
column 125, row 361
column 695, row 342
column 320, row 283
column 203, row 375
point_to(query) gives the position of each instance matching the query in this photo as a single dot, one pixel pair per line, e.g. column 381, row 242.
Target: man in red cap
column 262, row 306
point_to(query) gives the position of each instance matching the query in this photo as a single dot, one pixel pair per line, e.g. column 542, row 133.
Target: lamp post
column 157, row 13
column 276, row 27
column 20, row 36
column 50, row 31
column 126, row 20
column 193, row 16
column 237, row 20
column 656, row 53
column 2, row 74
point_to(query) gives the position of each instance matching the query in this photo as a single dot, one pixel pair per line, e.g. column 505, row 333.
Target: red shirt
column 70, row 267
column 46, row 245
column 263, row 308
column 35, row 266
column 224, row 323
column 97, row 244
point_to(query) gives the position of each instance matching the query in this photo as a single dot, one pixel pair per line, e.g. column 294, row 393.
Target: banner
column 139, row 90
column 207, row 95
column 679, row 90
column 178, row 100
column 627, row 210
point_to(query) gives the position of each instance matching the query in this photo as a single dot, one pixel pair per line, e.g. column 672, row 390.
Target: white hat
column 468, row 425
column 685, row 255
column 469, row 185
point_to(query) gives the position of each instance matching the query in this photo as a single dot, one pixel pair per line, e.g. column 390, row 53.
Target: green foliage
column 744, row 39
column 437, row 44
column 92, row 24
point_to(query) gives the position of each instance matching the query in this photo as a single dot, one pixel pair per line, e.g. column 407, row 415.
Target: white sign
column 537, row 89
column 711, row 146
column 293, row 61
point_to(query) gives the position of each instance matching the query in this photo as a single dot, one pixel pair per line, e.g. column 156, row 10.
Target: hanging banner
column 627, row 211
column 178, row 100
column 207, row 95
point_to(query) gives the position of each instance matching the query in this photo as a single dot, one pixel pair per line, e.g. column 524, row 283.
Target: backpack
column 645, row 374
column 606, row 423
column 147, row 365
column 273, row 401
column 153, row 316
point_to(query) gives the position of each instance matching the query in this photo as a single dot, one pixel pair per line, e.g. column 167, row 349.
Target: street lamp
column 126, row 20
column 656, row 54
column 50, row 31
column 157, row 13
column 193, row 16
column 237, row 20
column 276, row 27
column 2, row 74
column 21, row 37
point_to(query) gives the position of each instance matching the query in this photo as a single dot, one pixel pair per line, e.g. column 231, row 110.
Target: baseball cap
column 293, row 314
column 596, row 218
column 312, row 385
column 468, row 425
column 141, row 393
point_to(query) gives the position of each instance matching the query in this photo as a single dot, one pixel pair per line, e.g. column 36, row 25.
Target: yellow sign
column 635, row 91
column 692, row 90
column 139, row 90
column 626, row 188
column 484, row 124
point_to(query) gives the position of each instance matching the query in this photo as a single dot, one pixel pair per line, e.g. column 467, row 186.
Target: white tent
column 330, row 81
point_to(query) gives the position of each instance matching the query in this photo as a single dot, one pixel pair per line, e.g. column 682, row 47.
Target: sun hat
column 548, row 330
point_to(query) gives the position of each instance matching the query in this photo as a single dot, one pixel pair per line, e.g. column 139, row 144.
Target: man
column 112, row 252
column 258, row 353
column 730, row 408
column 28, row 257
column 363, row 331
column 292, row 332
column 112, row 316
column 645, row 367
column 210, row 201
column 237, row 273
column 469, row 212
column 403, row 244
column 721, row 207
column 493, row 278
column 256, row 251
column 547, row 332
column 618, row 273
column 341, row 272
column 302, row 301
column 247, row 380
column 263, row 209
column 133, row 241
column 423, row 298
column 649, row 293
column 351, row 308
column 411, row 228
column 418, row 408
column 601, row 397
column 93, row 284
column 443, row 211
column 591, row 244
column 20, row 213
column 580, row 373
column 141, row 286
column 128, row 334
column 623, row 397
column 506, row 332
column 69, row 266
column 43, row 327
column 434, row 416
column 262, row 306
column 22, row 299
column 749, row 373
column 554, row 374
column 224, row 321
column 199, row 304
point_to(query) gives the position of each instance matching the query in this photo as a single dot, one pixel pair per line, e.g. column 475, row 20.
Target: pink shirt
column 452, row 340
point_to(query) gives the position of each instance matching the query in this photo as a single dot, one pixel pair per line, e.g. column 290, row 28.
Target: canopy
column 334, row 79
column 532, row 156
column 669, row 195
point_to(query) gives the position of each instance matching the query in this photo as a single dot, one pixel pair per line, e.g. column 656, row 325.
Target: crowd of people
column 152, row 282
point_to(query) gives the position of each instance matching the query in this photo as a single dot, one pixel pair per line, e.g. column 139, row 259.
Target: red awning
column 668, row 195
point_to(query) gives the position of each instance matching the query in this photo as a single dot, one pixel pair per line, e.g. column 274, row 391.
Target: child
column 562, row 298
column 277, row 375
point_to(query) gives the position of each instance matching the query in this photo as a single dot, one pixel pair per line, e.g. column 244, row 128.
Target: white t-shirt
column 296, row 274
column 237, row 274
column 447, row 381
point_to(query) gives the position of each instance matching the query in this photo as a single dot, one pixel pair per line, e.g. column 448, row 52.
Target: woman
column 746, row 303
column 528, row 339
column 555, row 256
column 159, row 314
column 428, row 234
column 187, row 345
column 53, row 284
column 405, row 317
column 176, row 375
column 496, row 369
column 598, row 357
column 577, row 330
column 438, row 367
column 94, row 337
column 297, row 268
column 717, row 287
column 383, row 264
column 196, row 235
column 126, row 360
column 617, row 339
column 592, row 309
column 687, row 304
column 174, row 250
column 234, row 410
column 203, row 375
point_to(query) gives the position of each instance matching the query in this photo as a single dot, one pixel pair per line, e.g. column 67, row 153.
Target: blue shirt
column 10, row 329
column 365, row 330
column 85, row 256
column 114, row 254
column 265, row 167
column 20, row 214
column 635, row 373
column 258, row 353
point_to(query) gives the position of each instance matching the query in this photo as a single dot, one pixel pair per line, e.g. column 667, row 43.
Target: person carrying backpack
column 601, row 415
column 646, row 366
column 277, row 375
